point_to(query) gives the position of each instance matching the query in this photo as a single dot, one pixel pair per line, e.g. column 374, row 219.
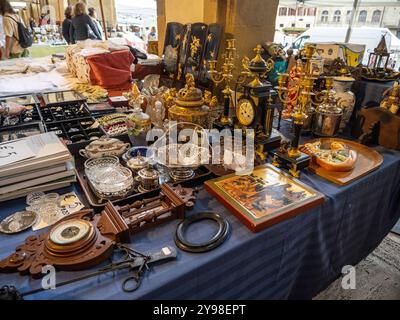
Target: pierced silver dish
column 18, row 222
column 181, row 159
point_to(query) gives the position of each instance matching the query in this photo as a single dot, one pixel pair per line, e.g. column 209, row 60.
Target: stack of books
column 32, row 164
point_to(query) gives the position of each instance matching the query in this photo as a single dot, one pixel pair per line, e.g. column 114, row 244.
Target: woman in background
column 93, row 16
column 66, row 25
column 10, row 26
column 82, row 25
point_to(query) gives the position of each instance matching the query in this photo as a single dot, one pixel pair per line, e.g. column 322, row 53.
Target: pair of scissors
column 136, row 278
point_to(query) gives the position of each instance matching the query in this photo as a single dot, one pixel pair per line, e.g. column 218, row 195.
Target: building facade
column 294, row 19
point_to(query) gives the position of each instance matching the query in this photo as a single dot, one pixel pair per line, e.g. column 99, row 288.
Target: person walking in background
column 32, row 23
column 11, row 19
column 45, row 18
column 82, row 26
column 93, row 16
column 66, row 25
column 152, row 35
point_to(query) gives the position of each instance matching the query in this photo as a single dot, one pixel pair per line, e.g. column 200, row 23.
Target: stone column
column 249, row 21
column 161, row 25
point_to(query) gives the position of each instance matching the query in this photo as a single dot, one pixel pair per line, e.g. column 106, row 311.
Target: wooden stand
column 378, row 126
column 83, row 240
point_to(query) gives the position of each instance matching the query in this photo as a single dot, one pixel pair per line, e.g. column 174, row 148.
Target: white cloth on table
column 58, row 78
column 26, row 65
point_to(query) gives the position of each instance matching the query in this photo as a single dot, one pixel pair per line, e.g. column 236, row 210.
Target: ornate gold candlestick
column 225, row 76
column 301, row 96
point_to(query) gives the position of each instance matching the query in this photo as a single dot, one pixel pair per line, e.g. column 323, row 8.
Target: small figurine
column 391, row 99
column 169, row 97
column 210, row 100
column 294, row 78
column 136, row 97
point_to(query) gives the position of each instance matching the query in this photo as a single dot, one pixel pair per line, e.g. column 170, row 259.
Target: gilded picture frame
column 265, row 197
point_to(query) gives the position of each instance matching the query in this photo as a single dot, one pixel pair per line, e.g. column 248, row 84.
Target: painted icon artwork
column 264, row 192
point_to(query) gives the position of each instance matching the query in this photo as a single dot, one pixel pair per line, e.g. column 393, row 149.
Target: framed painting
column 265, row 197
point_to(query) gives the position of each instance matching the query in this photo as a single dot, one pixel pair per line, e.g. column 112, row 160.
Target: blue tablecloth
column 294, row 259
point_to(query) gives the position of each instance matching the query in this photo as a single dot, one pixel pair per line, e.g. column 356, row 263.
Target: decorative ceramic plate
column 367, row 161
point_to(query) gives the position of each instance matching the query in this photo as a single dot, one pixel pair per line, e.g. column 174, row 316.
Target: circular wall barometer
column 70, row 232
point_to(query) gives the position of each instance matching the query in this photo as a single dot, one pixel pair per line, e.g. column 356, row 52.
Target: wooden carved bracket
column 378, row 126
column 83, row 240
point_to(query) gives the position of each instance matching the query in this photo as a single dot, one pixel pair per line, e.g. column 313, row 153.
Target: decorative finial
column 258, row 49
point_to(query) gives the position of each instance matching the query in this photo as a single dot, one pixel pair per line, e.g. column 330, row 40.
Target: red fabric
column 111, row 70
column 142, row 71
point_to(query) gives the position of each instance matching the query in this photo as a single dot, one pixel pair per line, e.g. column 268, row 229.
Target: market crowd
column 79, row 24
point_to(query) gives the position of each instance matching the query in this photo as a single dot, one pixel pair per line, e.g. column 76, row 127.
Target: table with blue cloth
column 294, row 259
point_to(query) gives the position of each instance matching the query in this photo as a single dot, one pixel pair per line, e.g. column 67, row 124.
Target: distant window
column 300, row 11
column 310, row 12
column 292, row 12
column 293, row 25
column 336, row 16
column 324, row 16
column 376, row 16
column 308, row 25
column 283, row 11
column 281, row 25
column 362, row 17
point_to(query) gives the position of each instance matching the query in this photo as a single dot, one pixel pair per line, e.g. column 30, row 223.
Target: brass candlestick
column 300, row 95
column 225, row 76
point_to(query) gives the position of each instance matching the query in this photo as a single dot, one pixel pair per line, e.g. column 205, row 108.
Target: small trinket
column 18, row 222
column 149, row 179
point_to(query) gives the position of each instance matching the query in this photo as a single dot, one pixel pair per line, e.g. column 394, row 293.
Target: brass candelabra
column 300, row 95
column 225, row 76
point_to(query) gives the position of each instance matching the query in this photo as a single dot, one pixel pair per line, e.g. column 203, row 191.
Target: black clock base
column 293, row 165
column 271, row 142
column 221, row 126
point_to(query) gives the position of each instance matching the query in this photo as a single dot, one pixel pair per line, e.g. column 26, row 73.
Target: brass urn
column 189, row 105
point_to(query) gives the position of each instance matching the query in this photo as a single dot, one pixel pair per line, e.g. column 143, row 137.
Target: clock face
column 245, row 112
column 70, row 231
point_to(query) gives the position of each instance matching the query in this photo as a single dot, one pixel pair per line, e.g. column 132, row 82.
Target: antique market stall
column 205, row 173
